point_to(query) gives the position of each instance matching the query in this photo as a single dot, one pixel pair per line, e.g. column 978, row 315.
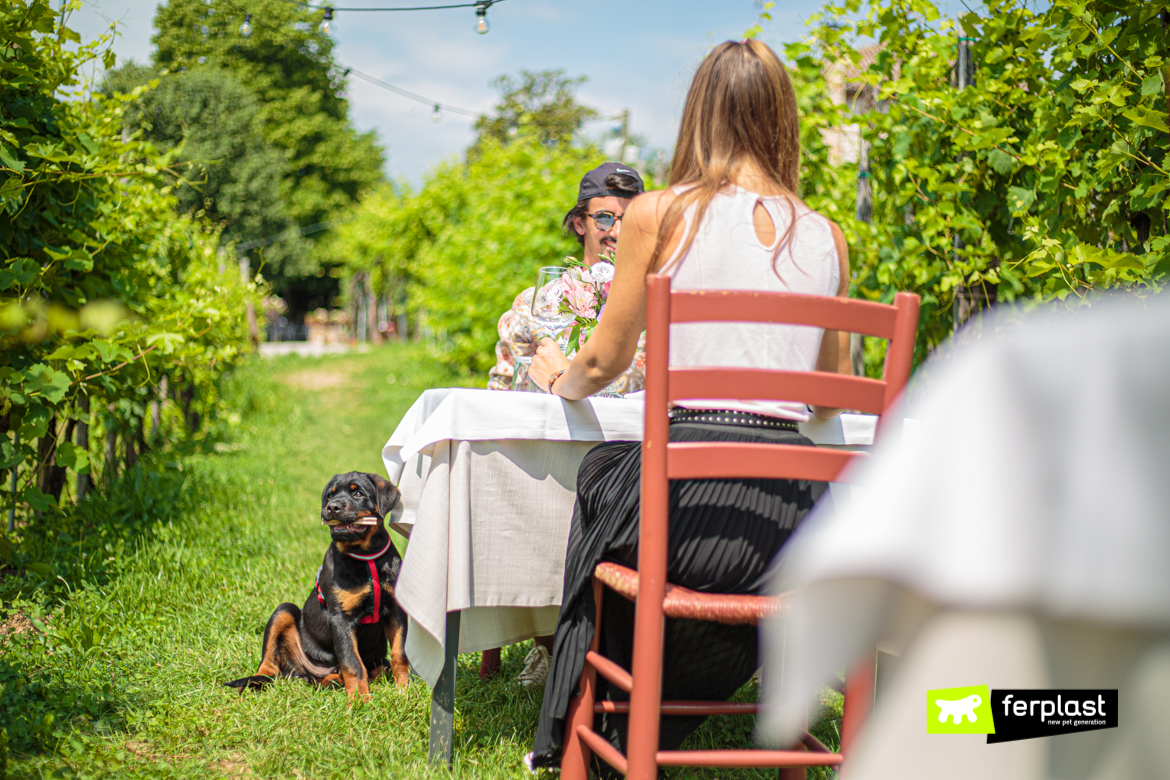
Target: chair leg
column 859, row 690
column 489, row 664
column 646, row 695
column 795, row 772
column 575, row 754
column 792, row 773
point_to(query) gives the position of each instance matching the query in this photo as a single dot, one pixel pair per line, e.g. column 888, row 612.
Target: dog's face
column 354, row 504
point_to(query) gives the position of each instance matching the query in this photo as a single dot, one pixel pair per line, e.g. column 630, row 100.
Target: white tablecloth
column 488, row 482
column 1036, row 486
column 460, row 414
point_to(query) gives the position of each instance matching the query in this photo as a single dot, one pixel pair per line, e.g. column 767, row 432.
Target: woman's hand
column 549, row 359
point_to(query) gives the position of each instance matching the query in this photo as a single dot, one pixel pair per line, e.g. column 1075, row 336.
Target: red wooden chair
column 655, row 598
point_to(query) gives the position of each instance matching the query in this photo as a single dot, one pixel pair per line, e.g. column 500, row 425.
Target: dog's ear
column 387, row 494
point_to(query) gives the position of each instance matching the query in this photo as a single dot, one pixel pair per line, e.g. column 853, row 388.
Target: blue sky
column 637, row 54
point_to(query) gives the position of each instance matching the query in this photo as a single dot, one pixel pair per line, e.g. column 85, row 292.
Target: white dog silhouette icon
column 958, row 708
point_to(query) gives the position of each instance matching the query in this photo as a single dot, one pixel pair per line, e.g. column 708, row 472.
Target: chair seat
column 726, row 608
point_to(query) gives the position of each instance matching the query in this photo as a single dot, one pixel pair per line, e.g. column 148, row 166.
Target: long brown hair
column 741, row 106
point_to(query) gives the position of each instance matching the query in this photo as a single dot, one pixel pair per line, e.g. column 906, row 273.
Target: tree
column 1045, row 181
column 289, row 66
column 103, row 288
column 470, row 239
column 544, row 101
column 231, row 173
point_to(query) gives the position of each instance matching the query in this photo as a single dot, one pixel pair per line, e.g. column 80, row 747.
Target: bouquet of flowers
column 585, row 291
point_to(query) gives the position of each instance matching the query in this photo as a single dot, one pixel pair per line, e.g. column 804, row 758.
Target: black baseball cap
column 593, row 183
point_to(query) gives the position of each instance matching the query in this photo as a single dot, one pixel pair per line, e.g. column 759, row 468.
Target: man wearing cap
column 596, row 221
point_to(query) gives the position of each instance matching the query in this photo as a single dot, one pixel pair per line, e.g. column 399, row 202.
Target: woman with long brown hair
column 730, row 220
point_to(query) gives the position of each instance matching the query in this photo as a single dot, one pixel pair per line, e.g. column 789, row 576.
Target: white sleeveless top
column 728, row 255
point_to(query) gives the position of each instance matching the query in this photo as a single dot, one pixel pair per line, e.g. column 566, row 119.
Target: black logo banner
column 1028, row 714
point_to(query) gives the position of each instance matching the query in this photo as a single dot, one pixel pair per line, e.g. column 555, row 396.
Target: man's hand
column 549, row 359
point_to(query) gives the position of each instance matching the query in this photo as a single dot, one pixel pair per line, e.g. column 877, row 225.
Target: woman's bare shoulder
column 838, row 236
column 649, row 208
column 842, row 247
column 804, row 210
column 652, row 204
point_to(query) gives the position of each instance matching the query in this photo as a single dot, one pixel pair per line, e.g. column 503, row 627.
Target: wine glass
column 522, row 351
column 546, row 296
column 546, row 305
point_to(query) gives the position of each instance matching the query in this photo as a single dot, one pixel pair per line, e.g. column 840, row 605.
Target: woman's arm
column 611, row 348
column 834, row 356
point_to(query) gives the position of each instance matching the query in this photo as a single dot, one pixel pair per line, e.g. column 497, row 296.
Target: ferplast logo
column 1009, row 715
column 959, row 711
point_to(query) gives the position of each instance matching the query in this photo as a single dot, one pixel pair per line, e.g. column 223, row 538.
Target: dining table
column 488, row 483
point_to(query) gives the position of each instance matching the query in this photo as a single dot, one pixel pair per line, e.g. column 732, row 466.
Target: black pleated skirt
column 723, row 537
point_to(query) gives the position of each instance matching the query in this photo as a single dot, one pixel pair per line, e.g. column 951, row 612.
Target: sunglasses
column 605, row 219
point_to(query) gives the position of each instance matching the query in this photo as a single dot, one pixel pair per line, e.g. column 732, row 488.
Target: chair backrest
column 662, row 461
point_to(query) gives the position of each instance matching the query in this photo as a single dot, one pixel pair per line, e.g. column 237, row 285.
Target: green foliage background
column 232, row 174
column 289, row 66
column 543, row 101
column 470, row 239
column 103, row 289
column 1051, row 169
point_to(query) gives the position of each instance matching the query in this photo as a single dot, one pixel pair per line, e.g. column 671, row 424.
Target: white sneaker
column 544, row 770
column 536, row 666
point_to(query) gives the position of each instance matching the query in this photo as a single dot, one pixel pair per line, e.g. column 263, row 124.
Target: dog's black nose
column 334, row 506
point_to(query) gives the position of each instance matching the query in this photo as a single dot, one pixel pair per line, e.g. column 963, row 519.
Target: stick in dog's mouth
column 359, row 521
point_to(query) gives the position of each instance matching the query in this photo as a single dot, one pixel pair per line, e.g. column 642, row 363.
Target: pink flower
column 580, row 274
column 605, row 289
column 580, row 298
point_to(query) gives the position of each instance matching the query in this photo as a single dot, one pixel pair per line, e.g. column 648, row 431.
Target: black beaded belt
column 730, row 417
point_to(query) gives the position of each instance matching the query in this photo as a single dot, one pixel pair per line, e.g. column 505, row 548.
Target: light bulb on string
column 436, row 115
column 246, row 27
column 482, row 25
column 327, row 27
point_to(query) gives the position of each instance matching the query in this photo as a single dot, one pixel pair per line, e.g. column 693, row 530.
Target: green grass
column 161, row 589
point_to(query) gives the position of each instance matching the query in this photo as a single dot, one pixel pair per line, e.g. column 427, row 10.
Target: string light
column 482, row 25
column 473, row 4
column 327, row 27
column 438, row 108
column 413, row 95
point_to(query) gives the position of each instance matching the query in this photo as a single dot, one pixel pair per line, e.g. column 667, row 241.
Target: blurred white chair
column 1018, row 535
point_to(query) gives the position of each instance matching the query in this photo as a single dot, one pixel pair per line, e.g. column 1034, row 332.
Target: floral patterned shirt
column 517, row 337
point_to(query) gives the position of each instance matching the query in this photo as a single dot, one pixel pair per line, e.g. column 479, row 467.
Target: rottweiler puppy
column 351, row 617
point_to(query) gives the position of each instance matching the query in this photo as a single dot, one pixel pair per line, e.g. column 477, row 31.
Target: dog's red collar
column 373, row 557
